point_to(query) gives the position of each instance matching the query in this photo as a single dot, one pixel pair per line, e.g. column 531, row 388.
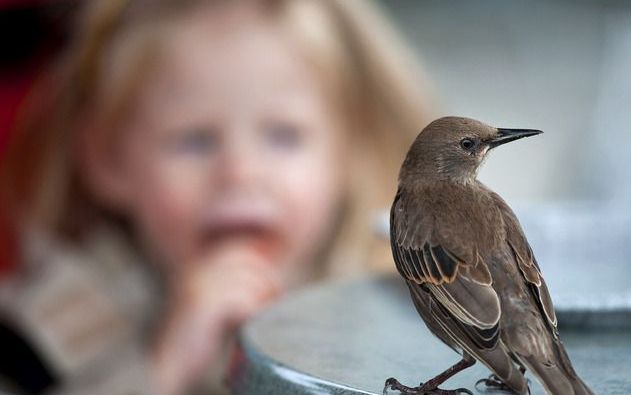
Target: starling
column 470, row 271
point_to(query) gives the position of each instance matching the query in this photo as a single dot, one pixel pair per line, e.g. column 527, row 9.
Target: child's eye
column 196, row 142
column 283, row 135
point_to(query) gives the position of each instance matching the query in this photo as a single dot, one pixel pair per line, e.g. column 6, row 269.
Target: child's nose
column 241, row 165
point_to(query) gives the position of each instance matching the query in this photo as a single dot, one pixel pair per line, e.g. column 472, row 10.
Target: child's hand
column 210, row 298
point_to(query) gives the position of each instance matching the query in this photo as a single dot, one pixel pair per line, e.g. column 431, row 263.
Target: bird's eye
column 467, row 144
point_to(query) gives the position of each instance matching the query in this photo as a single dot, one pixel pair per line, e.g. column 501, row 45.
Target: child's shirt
column 75, row 321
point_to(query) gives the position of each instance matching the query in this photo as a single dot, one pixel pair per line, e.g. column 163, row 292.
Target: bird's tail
column 558, row 377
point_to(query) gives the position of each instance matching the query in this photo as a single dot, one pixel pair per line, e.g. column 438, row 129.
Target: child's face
column 231, row 140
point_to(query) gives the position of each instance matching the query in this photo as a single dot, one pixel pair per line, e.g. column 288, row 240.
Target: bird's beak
column 507, row 135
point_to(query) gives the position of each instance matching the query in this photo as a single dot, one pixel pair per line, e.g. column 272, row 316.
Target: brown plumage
column 471, row 272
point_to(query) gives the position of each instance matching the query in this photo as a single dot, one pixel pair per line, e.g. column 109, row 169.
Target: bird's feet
column 494, row 384
column 422, row 389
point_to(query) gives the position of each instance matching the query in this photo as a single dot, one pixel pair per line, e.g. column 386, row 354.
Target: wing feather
column 447, row 265
column 464, row 295
column 527, row 262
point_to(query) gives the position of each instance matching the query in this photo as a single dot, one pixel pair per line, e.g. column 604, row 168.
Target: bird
column 471, row 273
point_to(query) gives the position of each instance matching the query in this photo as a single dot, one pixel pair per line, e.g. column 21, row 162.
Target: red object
column 32, row 33
column 13, row 91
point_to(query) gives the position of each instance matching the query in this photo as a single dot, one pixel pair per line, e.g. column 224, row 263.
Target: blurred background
column 562, row 67
column 559, row 66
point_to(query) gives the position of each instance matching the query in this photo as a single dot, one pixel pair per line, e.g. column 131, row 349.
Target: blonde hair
column 378, row 89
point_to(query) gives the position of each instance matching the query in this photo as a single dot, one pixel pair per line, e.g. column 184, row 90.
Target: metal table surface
column 348, row 337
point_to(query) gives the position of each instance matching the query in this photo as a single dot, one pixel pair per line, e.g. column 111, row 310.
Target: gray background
column 563, row 67
column 560, row 66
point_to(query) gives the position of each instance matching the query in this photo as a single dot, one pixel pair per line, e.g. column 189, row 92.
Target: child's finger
column 238, row 258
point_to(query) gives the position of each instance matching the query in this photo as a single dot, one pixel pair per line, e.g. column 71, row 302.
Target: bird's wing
column 526, row 261
column 435, row 247
column 453, row 272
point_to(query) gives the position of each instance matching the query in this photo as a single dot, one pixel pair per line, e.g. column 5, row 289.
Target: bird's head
column 453, row 148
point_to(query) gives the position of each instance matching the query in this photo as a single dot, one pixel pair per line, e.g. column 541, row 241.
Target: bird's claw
column 389, row 384
column 493, row 384
column 395, row 385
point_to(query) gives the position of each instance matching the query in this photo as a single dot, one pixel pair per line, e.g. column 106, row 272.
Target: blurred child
column 190, row 162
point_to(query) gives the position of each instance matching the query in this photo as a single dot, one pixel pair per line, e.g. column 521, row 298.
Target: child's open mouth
column 247, row 229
